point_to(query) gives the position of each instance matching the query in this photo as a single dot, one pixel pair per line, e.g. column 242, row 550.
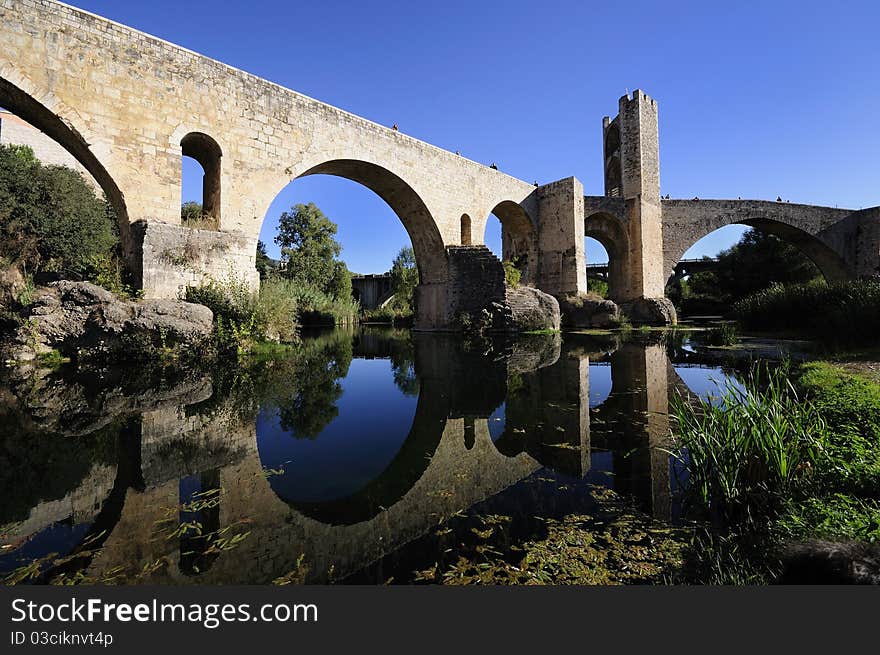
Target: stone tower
column 632, row 172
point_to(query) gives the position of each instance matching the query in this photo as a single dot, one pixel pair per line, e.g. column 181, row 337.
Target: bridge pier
column 562, row 262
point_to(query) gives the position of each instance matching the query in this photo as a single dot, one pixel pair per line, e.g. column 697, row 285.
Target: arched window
column 465, row 230
column 206, row 152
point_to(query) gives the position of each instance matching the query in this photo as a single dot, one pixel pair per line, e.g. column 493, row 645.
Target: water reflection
column 322, row 462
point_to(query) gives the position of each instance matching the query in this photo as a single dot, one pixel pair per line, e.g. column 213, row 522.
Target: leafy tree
column 405, row 277
column 50, row 218
column 340, row 282
column 310, row 250
column 754, row 263
column 264, row 265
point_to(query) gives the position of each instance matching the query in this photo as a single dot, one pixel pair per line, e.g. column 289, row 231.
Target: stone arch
column 207, row 152
column 608, row 230
column 465, row 230
column 406, row 203
column 50, row 116
column 519, row 240
column 830, row 263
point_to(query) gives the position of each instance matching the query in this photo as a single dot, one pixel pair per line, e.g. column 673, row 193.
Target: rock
column 84, row 321
column 828, row 562
column 186, row 321
column 527, row 309
column 586, row 311
column 650, row 311
column 534, row 351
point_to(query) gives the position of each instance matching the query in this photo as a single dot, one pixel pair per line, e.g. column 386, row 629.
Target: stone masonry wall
column 476, row 279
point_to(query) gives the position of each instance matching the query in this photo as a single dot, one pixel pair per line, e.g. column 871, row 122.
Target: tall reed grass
column 747, row 445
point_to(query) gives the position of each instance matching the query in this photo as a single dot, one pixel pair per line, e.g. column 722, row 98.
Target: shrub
column 50, row 218
column 316, row 307
column 276, row 311
column 843, row 312
column 242, row 318
column 512, row 274
column 597, row 287
column 394, row 312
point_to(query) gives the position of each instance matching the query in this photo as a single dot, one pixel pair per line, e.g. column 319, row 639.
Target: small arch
column 613, row 179
column 610, row 233
column 597, row 266
column 207, row 153
column 519, row 242
column 465, row 230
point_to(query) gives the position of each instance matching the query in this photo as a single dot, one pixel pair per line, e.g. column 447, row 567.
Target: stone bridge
column 129, row 106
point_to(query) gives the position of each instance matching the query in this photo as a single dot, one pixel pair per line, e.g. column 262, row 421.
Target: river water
column 365, row 456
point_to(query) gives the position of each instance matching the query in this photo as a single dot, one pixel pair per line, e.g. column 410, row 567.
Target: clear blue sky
column 756, row 99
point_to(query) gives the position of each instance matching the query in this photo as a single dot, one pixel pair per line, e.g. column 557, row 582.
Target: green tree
column 340, row 282
column 50, row 218
column 405, row 277
column 754, row 263
column 263, row 264
column 310, row 250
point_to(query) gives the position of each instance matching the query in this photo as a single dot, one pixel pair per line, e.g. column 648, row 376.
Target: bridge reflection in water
column 479, row 422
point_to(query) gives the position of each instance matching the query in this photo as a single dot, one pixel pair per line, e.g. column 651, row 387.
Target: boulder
column 650, row 311
column 587, row 311
column 527, row 309
column 84, row 321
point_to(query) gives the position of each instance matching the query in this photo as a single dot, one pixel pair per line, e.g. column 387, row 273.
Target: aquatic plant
column 725, row 334
column 745, row 447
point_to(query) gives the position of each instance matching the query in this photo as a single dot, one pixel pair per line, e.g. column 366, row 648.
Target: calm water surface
column 337, row 463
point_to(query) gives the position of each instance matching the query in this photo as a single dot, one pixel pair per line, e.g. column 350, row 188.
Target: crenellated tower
column 632, row 172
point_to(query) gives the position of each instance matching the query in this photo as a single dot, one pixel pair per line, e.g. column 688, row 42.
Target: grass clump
column 747, row 447
column 794, row 456
column 725, row 334
column 243, row 318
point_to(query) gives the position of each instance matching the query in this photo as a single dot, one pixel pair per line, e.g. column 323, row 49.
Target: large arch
column 20, row 98
column 519, row 240
column 829, row 263
column 404, row 201
column 810, row 229
column 610, row 232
